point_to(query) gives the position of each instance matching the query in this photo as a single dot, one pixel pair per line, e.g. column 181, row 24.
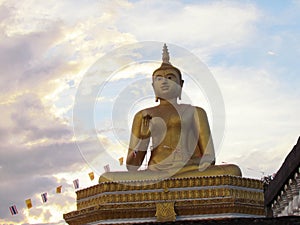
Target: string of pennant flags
column 44, row 196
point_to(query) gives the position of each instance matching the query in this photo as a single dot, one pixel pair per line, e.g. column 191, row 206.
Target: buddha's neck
column 168, row 102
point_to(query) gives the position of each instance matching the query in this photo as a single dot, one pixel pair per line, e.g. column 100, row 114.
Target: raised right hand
column 145, row 127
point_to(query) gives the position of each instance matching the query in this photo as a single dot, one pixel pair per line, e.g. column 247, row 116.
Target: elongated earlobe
column 156, row 98
column 182, row 81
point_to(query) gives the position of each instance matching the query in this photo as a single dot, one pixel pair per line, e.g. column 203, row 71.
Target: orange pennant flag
column 58, row 189
column 91, row 175
column 121, row 161
column 28, row 203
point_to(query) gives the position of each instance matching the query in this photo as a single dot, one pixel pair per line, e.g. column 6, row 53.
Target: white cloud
column 134, row 70
column 53, row 47
column 261, row 118
column 271, row 53
column 213, row 25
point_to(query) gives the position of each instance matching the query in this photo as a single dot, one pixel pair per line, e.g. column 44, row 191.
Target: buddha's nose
column 165, row 80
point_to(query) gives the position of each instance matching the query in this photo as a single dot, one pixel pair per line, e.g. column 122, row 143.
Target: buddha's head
column 167, row 80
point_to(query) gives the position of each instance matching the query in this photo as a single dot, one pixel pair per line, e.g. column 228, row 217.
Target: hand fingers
column 146, row 120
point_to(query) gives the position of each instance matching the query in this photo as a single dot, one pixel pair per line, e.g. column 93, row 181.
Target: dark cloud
column 27, row 120
column 19, row 53
column 27, row 172
column 18, row 191
column 35, row 121
column 28, row 61
column 44, row 160
column 34, row 143
column 27, row 169
column 28, row 186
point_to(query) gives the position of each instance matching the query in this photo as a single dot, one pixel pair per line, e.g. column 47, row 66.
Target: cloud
column 28, row 120
column 24, row 188
column 35, row 146
column 261, row 117
column 26, row 173
column 271, row 53
column 52, row 47
column 210, row 25
column 22, row 60
column 46, row 47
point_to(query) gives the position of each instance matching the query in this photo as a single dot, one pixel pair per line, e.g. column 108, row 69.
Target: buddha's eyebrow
column 171, row 74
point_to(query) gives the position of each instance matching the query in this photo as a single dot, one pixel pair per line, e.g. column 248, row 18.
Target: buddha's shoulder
column 146, row 111
column 182, row 108
column 192, row 107
column 199, row 109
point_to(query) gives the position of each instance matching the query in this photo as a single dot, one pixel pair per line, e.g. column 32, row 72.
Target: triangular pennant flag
column 76, row 183
column 121, row 161
column 44, row 197
column 13, row 210
column 58, row 189
column 91, row 175
column 107, row 168
column 28, row 203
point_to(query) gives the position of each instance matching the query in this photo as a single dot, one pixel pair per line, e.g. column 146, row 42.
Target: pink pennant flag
column 44, row 197
column 13, row 210
column 76, row 183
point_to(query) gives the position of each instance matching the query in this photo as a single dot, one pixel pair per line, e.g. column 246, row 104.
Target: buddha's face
column 167, row 84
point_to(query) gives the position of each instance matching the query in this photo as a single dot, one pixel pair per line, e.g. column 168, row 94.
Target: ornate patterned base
column 168, row 200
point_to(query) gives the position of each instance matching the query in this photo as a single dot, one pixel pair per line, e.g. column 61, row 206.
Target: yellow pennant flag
column 91, row 175
column 121, row 161
column 28, row 203
column 58, row 189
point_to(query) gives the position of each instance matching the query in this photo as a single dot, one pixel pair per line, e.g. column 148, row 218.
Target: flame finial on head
column 165, row 55
column 167, row 65
column 166, row 61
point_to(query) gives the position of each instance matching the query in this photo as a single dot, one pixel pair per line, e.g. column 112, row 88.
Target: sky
column 51, row 53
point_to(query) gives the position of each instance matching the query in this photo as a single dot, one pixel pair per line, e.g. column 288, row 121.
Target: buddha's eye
column 158, row 78
column 171, row 77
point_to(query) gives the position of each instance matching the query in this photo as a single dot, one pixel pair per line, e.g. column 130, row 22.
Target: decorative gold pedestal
column 165, row 211
column 168, row 200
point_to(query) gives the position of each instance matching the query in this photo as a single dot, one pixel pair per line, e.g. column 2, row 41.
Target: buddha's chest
column 171, row 120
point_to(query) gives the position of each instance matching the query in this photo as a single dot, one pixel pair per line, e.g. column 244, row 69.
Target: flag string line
column 45, row 196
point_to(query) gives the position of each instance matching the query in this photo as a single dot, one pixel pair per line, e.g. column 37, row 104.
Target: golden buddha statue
column 181, row 140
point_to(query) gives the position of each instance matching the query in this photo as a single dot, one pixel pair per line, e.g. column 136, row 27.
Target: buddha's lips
column 164, row 87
